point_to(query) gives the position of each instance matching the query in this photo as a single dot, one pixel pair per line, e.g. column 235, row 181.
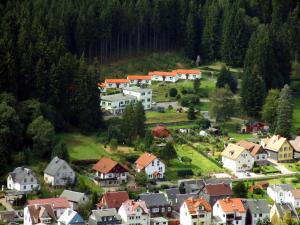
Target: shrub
column 173, row 92
column 178, row 96
column 184, row 101
column 170, row 107
column 113, row 144
column 185, row 173
column 141, row 178
column 186, row 159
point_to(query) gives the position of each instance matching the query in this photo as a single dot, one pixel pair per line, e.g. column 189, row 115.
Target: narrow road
column 6, row 204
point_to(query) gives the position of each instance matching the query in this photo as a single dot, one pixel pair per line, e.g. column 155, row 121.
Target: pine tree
column 252, row 93
column 191, row 32
column 128, row 118
column 140, row 119
column 225, row 77
column 269, row 110
column 284, row 113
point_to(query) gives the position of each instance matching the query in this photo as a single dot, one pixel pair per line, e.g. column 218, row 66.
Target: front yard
column 294, row 167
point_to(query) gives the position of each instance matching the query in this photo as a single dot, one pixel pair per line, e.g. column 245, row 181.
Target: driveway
column 280, row 167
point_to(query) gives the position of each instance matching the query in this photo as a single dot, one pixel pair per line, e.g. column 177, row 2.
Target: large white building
column 116, row 103
column 279, row 192
column 142, row 94
column 153, row 166
column 22, row 179
column 134, row 212
column 195, row 211
column 237, row 158
column 229, row 211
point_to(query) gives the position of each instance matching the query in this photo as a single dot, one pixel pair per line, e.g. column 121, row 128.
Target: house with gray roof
column 75, row 198
column 279, row 192
column 59, row 173
column 280, row 209
column 105, row 217
column 22, row 179
column 257, row 209
column 157, row 204
column 116, row 103
column 175, row 198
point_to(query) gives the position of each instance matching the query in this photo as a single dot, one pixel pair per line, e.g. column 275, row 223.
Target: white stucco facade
column 142, row 94
column 290, row 198
column 233, row 217
column 134, row 217
column 22, row 180
column 64, row 176
column 278, row 195
column 200, row 217
column 244, row 162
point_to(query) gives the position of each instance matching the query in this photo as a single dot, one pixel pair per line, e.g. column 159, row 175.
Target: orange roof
column 105, row 165
column 54, row 202
column 187, row 71
column 232, row 205
column 162, row 73
column 144, row 160
column 193, row 205
column 102, row 85
column 118, row 81
column 138, row 77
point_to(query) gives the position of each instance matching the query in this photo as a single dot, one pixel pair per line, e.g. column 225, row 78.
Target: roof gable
column 55, row 165
column 232, row 205
column 113, row 199
column 144, row 160
column 233, row 151
column 275, row 143
column 107, row 165
column 194, row 204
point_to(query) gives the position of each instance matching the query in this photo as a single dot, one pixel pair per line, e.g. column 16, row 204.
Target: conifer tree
column 284, row 113
column 269, row 110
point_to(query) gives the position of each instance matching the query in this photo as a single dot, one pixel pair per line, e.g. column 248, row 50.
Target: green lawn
column 269, row 169
column 89, row 183
column 199, row 162
column 166, row 117
column 83, row 147
column 296, row 113
column 230, row 128
column 295, row 166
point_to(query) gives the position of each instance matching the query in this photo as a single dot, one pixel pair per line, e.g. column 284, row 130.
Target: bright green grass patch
column 175, row 127
column 89, row 183
column 267, row 169
column 231, row 128
column 296, row 113
column 295, row 166
column 144, row 63
column 165, row 117
column 199, row 162
column 83, row 147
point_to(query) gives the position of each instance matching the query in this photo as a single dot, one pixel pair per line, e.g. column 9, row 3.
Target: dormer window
column 25, row 180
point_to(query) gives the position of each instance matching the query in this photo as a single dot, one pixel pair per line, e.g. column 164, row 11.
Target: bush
column 173, row 92
column 256, row 170
column 113, row 144
column 186, row 159
column 141, row 178
column 178, row 96
column 184, row 101
column 170, row 107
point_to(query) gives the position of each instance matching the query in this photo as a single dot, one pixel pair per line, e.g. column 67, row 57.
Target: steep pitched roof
column 144, row 160
column 232, row 205
column 218, row 189
column 162, row 73
column 233, row 151
column 72, row 196
column 54, row 166
column 250, row 146
column 117, row 81
column 282, row 208
column 70, row 217
column 296, row 143
column 193, row 205
column 296, row 193
column 105, row 165
column 154, row 199
column 186, row 71
column 19, row 173
column 257, row 206
column 275, row 143
column 56, row 203
column 130, row 206
column 36, row 212
column 113, row 199
column 138, row 77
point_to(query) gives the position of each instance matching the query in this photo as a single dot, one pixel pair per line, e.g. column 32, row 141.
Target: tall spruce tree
column 252, row 93
column 284, row 113
column 225, row 77
column 139, row 119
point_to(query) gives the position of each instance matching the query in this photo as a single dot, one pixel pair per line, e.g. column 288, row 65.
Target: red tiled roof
column 117, row 81
column 113, row 199
column 232, row 205
column 138, row 77
column 250, row 146
column 102, row 85
column 162, row 73
column 56, row 203
column 184, row 71
column 193, row 205
column 131, row 206
column 105, row 165
column 144, row 160
column 218, row 189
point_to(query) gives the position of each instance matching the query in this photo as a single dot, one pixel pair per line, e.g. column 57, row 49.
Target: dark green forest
column 50, row 51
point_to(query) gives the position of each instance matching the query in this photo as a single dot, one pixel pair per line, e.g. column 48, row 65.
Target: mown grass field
column 165, row 117
column 83, row 147
column 296, row 113
column 199, row 162
column 230, row 128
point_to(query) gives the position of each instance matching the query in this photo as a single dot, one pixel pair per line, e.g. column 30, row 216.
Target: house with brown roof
column 214, row 192
column 278, row 148
column 109, row 172
column 59, row 205
column 229, row 211
column 293, row 197
column 151, row 165
column 39, row 214
column 296, row 145
column 113, row 199
column 259, row 154
column 237, row 158
column 195, row 211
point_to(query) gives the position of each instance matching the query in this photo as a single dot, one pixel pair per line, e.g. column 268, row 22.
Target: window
column 149, row 100
column 149, row 92
column 24, row 187
column 25, row 180
column 158, row 163
column 162, row 209
column 143, row 93
column 169, row 209
column 236, row 222
column 160, row 169
column 31, row 186
column 260, row 215
column 152, row 163
column 31, row 179
column 201, row 215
